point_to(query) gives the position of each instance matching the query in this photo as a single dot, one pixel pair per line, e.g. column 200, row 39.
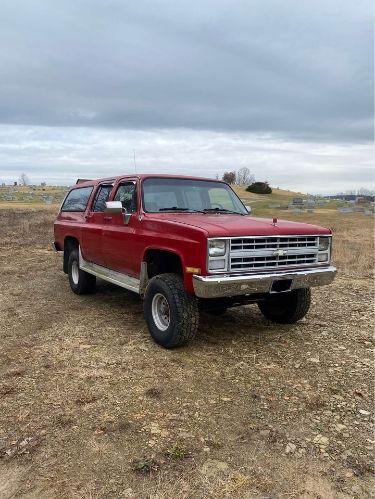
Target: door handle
column 107, row 219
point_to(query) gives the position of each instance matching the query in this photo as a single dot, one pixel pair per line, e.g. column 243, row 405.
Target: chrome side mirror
column 248, row 209
column 116, row 208
column 113, row 207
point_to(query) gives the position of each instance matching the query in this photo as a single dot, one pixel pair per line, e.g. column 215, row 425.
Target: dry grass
column 92, row 408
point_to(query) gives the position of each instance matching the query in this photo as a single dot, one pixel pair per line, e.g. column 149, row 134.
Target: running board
column 122, row 280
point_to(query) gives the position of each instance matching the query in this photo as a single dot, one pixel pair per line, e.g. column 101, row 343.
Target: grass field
column 92, row 408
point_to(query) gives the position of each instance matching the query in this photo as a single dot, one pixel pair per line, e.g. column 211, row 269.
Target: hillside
column 261, row 202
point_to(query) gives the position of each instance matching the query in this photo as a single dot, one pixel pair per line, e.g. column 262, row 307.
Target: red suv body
column 145, row 231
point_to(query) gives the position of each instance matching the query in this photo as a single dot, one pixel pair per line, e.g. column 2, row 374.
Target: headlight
column 323, row 243
column 216, row 247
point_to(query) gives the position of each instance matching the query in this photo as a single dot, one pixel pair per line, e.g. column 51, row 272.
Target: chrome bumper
column 217, row 286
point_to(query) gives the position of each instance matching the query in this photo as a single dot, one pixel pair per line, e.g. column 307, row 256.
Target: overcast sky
column 283, row 87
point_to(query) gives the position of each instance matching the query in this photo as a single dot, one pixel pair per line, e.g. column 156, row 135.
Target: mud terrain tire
column 171, row 313
column 286, row 308
column 80, row 282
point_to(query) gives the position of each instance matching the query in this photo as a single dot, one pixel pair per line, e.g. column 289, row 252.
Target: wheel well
column 70, row 243
column 161, row 262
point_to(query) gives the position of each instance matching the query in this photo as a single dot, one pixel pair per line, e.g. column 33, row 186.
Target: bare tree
column 244, row 177
column 23, row 180
column 363, row 191
column 229, row 177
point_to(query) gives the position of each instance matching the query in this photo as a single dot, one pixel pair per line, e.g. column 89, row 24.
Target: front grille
column 257, row 253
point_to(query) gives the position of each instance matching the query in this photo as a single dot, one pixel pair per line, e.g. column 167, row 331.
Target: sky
column 284, row 88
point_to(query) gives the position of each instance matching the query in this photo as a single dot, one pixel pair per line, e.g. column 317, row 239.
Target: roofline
column 141, row 177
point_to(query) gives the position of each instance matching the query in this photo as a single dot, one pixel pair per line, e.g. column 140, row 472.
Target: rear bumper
column 217, row 286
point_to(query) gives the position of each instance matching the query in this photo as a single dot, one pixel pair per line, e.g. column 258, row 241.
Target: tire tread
column 187, row 309
column 295, row 310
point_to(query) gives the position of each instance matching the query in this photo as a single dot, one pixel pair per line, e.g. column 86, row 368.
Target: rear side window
column 101, row 198
column 77, row 199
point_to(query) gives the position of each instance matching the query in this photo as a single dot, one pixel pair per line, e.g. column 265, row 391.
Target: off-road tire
column 183, row 311
column 286, row 308
column 86, row 282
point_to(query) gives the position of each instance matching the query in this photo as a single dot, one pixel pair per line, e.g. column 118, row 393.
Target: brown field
column 92, row 408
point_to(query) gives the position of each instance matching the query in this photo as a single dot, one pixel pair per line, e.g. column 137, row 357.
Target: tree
column 363, row 191
column 259, row 188
column 244, row 177
column 229, row 177
column 23, row 179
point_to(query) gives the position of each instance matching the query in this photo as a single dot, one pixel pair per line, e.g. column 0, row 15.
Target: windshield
column 185, row 195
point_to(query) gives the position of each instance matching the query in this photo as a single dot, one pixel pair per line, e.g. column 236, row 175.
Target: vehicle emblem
column 280, row 252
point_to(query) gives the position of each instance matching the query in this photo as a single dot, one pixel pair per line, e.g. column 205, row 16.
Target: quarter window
column 101, row 198
column 77, row 199
column 127, row 194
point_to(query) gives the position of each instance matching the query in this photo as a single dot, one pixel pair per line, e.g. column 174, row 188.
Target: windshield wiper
column 176, row 208
column 173, row 208
column 222, row 210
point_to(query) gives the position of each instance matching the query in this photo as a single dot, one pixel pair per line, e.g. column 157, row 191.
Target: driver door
column 121, row 248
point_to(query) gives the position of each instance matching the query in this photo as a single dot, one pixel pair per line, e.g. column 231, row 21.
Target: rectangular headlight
column 218, row 264
column 216, row 247
column 324, row 243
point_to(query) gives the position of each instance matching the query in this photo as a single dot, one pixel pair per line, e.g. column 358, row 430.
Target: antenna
column 135, row 164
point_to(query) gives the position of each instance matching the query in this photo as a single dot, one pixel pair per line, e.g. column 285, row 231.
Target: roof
column 142, row 176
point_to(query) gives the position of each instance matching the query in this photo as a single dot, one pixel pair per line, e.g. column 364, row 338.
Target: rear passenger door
column 92, row 236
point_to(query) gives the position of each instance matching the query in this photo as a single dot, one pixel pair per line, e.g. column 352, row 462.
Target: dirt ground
column 90, row 407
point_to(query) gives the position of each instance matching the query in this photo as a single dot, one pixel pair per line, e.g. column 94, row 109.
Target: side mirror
column 113, row 207
column 116, row 208
column 248, row 209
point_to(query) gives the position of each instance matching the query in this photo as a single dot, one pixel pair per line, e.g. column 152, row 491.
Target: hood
column 231, row 225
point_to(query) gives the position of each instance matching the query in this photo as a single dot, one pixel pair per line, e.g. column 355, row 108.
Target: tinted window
column 77, row 199
column 127, row 194
column 101, row 197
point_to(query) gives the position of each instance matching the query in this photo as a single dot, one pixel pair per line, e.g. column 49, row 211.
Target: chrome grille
column 254, row 253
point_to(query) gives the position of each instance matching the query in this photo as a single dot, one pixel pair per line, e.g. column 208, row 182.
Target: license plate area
column 281, row 286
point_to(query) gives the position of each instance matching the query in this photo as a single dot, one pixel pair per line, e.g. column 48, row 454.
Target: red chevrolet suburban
column 187, row 244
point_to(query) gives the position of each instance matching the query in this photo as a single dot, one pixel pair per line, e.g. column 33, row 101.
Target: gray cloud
column 61, row 155
column 297, row 70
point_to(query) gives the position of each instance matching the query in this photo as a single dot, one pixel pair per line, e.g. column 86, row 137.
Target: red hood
column 224, row 225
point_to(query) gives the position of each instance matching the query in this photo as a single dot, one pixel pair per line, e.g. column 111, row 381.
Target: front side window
column 127, row 194
column 77, row 199
column 101, row 198
column 169, row 194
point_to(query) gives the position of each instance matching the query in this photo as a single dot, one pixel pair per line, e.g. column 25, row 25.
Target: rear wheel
column 286, row 308
column 80, row 282
column 171, row 313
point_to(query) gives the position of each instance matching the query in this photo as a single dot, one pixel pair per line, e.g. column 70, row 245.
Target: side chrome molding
column 122, row 280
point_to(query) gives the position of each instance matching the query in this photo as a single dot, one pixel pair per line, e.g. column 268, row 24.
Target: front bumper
column 217, row 286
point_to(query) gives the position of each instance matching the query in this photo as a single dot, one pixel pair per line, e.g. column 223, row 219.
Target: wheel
column 217, row 311
column 171, row 313
column 80, row 282
column 286, row 308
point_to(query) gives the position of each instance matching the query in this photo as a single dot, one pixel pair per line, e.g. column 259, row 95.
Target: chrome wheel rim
column 75, row 272
column 160, row 312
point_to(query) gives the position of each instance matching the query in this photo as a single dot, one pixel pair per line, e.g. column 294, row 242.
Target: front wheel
column 171, row 313
column 286, row 308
